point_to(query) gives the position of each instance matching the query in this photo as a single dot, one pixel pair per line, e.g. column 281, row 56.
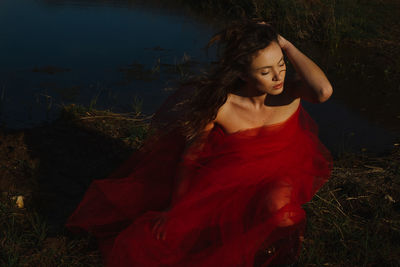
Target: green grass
column 24, row 241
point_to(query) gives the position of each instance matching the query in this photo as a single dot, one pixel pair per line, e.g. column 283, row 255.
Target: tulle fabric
column 242, row 206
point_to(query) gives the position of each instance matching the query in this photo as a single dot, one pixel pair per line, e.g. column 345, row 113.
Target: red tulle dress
column 242, row 206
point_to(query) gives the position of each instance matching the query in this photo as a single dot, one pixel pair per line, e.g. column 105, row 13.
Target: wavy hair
column 237, row 45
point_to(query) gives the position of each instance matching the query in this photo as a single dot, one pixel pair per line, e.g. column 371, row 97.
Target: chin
column 275, row 91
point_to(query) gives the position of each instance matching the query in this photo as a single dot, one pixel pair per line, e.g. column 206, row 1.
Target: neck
column 254, row 97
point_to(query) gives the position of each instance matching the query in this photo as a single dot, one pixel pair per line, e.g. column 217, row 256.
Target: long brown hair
column 237, row 44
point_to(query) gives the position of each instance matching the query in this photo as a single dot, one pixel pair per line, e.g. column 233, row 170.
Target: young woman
column 230, row 159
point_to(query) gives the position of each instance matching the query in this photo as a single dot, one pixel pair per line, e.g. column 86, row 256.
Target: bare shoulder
column 209, row 126
column 233, row 116
column 279, row 107
column 227, row 108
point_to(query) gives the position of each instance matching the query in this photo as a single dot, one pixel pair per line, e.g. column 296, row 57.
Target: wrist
column 286, row 46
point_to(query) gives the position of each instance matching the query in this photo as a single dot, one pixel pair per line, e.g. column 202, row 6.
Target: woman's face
column 267, row 71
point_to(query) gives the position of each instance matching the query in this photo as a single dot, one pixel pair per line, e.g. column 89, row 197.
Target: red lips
column 278, row 86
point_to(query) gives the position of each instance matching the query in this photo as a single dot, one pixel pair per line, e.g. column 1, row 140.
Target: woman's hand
column 159, row 226
column 317, row 87
column 282, row 42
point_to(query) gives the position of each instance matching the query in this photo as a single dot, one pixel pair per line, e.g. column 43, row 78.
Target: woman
column 221, row 178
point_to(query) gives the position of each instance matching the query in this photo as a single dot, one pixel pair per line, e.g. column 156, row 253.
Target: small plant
column 182, row 67
column 156, row 67
column 138, row 71
column 48, row 102
column 93, row 101
column 137, row 105
column 2, row 97
column 38, row 228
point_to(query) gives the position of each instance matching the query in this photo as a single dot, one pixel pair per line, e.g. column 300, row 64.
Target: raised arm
column 316, row 87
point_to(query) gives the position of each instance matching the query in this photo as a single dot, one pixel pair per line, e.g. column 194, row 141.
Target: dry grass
column 353, row 221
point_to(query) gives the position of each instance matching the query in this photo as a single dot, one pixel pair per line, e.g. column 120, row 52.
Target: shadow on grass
column 51, row 166
column 70, row 157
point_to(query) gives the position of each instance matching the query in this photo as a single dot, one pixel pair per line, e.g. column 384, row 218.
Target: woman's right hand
column 282, row 42
column 159, row 226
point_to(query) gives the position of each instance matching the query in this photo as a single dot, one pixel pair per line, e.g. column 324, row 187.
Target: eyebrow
column 268, row 66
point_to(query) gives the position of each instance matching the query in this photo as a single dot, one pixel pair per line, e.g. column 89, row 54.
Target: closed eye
column 281, row 65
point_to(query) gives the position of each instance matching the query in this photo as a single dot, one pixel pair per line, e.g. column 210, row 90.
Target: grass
column 355, row 42
column 34, row 161
column 25, row 242
column 353, row 221
column 328, row 21
column 2, row 99
column 339, row 27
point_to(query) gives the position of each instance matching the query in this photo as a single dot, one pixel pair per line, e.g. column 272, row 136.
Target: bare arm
column 181, row 186
column 182, row 183
column 316, row 87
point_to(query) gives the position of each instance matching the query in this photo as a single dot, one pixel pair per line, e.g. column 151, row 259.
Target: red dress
column 244, row 197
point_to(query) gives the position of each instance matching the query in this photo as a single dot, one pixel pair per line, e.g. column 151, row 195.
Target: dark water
column 55, row 52
column 109, row 53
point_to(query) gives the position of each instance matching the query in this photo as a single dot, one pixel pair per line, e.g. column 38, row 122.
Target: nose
column 278, row 75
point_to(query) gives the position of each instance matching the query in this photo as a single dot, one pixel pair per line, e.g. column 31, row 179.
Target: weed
column 137, row 105
column 2, row 99
column 93, row 101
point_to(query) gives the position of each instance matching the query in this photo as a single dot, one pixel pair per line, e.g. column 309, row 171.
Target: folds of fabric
column 245, row 194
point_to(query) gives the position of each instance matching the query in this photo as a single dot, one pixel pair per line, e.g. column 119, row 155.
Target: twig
column 336, row 200
column 115, row 117
column 352, row 198
column 341, row 234
column 374, row 168
column 326, row 201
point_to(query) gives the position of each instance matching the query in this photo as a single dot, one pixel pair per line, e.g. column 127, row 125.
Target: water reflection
column 112, row 53
column 90, row 46
column 343, row 130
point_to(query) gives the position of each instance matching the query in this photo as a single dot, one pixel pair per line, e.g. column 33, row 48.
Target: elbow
column 325, row 93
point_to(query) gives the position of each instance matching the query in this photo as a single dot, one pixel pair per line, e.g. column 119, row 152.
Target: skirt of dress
column 242, row 206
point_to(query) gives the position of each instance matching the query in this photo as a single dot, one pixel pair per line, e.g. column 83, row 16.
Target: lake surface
column 55, row 52
column 109, row 54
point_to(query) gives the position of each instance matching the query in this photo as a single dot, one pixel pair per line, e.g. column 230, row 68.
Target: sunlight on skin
column 277, row 198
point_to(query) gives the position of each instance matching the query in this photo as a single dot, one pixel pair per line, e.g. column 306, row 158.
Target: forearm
column 309, row 71
column 188, row 164
column 181, row 186
column 181, row 179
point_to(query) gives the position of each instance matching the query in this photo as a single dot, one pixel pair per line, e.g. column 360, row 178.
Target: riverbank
column 356, row 43
column 359, row 41
column 335, row 25
column 353, row 221
column 367, row 23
